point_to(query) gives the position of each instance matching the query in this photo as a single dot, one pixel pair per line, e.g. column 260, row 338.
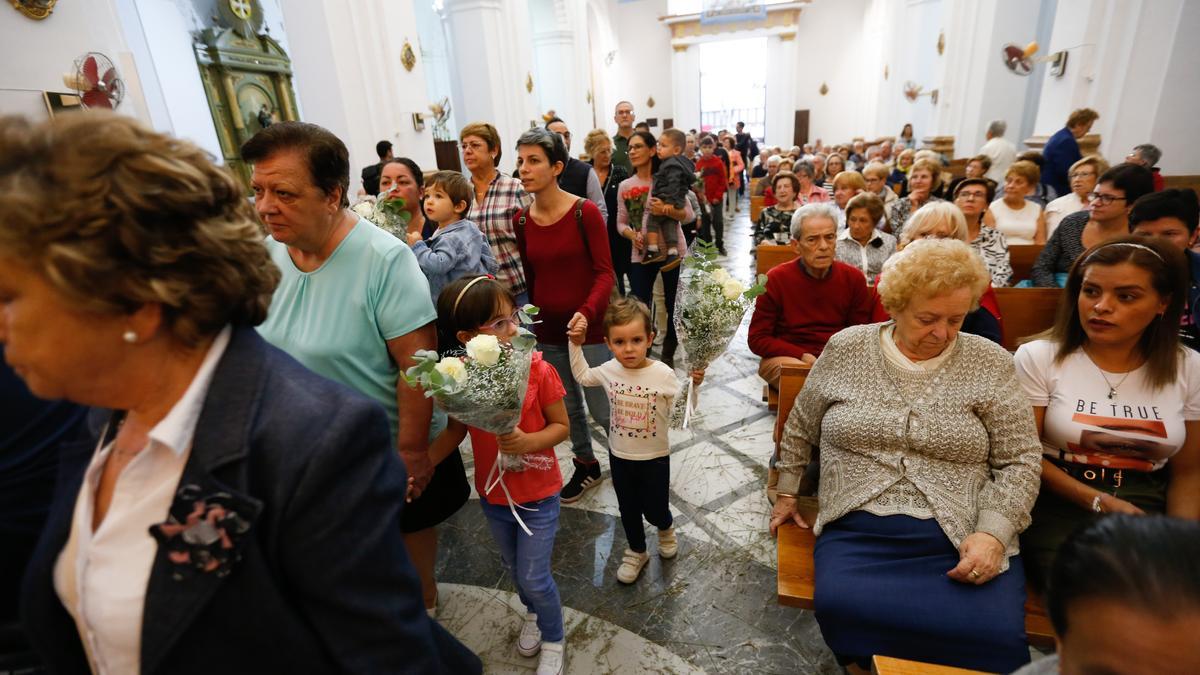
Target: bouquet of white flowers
column 482, row 386
column 387, row 211
column 709, row 307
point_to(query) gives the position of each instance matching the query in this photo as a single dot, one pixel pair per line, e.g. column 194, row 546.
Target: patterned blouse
column 494, row 216
column 1061, row 250
column 770, row 221
column 993, row 248
column 899, row 211
column 868, row 259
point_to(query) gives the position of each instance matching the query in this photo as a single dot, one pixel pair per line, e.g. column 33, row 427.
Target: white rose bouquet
column 387, row 211
column 709, row 307
column 483, row 385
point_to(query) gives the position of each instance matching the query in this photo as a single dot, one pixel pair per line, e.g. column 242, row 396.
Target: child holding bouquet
column 640, row 393
column 467, row 308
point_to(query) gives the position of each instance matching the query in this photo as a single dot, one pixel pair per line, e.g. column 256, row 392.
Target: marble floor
column 712, row 609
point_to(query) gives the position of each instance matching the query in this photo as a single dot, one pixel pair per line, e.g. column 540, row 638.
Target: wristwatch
column 1096, row 504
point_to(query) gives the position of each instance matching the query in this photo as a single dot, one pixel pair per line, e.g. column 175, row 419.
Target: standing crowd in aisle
column 238, row 474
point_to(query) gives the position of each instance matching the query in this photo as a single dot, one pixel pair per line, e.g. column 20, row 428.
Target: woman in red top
column 568, row 269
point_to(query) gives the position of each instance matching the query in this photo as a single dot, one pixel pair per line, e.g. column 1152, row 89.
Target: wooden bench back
column 1022, row 257
column 768, row 256
column 1026, row 312
column 791, row 381
column 756, row 207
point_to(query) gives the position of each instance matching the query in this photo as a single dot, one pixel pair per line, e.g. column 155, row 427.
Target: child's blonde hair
column 625, row 311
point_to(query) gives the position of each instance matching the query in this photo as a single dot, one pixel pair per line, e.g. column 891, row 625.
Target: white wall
column 829, row 50
column 642, row 66
column 348, row 76
column 1174, row 128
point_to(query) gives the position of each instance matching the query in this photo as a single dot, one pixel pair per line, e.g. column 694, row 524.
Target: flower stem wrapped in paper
column 709, row 308
column 387, row 211
column 482, row 386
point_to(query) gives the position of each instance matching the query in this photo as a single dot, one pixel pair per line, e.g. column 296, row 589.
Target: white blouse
column 1019, row 226
column 101, row 576
column 1061, row 208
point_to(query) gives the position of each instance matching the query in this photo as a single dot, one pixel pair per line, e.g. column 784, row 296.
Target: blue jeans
column 597, row 398
column 528, row 558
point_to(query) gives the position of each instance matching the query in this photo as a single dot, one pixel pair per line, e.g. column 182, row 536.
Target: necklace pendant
column 1112, row 393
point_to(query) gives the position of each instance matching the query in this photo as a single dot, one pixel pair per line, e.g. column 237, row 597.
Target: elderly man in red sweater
column 809, row 299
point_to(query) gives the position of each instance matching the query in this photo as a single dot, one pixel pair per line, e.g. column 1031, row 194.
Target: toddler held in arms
column 458, row 248
column 672, row 182
column 640, row 393
column 469, row 307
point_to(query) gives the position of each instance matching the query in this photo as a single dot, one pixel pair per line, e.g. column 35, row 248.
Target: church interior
column 801, row 76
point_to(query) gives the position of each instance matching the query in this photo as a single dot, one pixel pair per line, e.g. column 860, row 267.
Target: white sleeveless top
column 1019, row 226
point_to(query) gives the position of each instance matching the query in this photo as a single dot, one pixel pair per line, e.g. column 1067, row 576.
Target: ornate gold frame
column 32, row 11
column 407, row 57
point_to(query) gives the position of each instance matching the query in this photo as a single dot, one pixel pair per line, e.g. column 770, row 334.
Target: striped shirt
column 494, row 215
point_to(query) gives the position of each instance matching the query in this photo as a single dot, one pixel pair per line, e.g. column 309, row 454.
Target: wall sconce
column 418, row 121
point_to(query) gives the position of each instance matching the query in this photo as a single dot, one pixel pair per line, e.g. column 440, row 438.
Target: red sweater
column 562, row 277
column 716, row 179
column 798, row 313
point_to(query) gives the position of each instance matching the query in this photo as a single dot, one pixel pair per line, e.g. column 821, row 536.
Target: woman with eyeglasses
column 1106, row 218
column 1084, row 175
column 971, row 196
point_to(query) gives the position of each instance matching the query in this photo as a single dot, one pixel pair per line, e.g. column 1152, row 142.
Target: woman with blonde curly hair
column 929, row 467
column 235, row 511
column 943, row 220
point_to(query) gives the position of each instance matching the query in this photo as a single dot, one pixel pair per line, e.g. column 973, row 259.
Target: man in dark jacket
column 578, row 178
column 370, row 175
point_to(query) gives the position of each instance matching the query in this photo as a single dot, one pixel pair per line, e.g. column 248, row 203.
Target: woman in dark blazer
column 234, row 512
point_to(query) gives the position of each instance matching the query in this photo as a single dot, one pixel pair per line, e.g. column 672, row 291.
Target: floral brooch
column 202, row 533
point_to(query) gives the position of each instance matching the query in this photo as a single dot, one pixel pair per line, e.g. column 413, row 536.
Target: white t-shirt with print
column 640, row 400
column 1139, row 428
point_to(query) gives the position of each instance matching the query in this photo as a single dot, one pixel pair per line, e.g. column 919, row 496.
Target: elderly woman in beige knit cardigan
column 929, row 463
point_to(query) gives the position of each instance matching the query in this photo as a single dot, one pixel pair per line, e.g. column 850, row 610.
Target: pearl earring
column 129, row 336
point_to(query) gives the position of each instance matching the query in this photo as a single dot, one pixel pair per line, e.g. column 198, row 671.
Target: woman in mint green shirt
column 353, row 305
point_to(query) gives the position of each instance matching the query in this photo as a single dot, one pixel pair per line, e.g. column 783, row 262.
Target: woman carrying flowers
column 633, row 210
column 521, row 507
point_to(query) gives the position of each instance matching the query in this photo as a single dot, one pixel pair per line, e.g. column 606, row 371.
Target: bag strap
column 579, row 224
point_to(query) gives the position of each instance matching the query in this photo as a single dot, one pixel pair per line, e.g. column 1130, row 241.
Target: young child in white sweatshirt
column 641, row 392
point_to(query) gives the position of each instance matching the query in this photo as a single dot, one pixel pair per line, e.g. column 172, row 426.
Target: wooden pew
column 767, row 256
column 886, row 665
column 756, row 207
column 1025, row 312
column 796, row 577
column 791, row 381
column 1022, row 257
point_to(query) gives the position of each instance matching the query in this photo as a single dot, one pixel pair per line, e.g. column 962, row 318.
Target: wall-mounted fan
column 913, row 91
column 1020, row 60
column 97, row 81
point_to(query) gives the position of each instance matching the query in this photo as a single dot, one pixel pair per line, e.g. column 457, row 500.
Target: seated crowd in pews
column 941, row 473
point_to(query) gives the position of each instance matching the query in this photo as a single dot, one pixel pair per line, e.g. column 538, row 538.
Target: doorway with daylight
column 732, row 88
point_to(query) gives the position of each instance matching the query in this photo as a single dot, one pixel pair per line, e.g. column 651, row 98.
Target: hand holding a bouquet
column 516, row 442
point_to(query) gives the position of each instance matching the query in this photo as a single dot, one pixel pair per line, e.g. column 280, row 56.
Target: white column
column 685, row 89
column 781, row 90
column 491, row 56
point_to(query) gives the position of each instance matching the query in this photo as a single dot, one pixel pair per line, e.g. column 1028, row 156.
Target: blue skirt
column 881, row 588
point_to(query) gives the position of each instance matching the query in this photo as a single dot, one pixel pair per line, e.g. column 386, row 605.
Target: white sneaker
column 553, row 660
column 631, row 566
column 668, row 545
column 529, row 642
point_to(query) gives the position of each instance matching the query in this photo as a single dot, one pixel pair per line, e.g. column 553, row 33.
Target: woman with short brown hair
column 238, row 512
